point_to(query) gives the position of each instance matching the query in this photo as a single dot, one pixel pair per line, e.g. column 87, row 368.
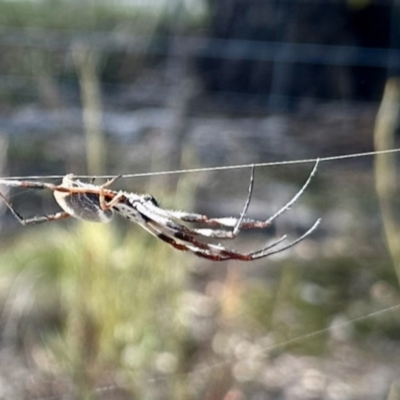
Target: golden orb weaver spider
column 97, row 203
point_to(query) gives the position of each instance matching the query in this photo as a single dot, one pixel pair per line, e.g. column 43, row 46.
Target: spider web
column 216, row 168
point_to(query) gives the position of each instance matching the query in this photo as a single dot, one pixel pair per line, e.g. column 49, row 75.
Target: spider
column 97, row 203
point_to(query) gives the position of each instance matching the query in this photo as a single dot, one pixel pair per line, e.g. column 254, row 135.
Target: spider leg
column 36, row 219
column 178, row 231
column 173, row 235
column 169, row 218
column 242, row 223
column 27, row 184
column 107, row 205
column 183, row 238
column 255, row 255
column 267, row 251
column 296, row 196
column 203, row 251
column 111, row 181
column 231, row 222
column 170, row 232
column 238, row 225
column 102, row 199
column 161, row 226
column 158, row 233
column 236, row 229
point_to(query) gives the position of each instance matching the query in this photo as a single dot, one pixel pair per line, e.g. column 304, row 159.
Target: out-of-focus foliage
column 116, row 299
column 122, row 16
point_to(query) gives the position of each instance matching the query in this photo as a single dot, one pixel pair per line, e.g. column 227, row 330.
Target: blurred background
column 90, row 311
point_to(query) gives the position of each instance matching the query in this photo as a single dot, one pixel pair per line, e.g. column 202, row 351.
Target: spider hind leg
column 33, row 220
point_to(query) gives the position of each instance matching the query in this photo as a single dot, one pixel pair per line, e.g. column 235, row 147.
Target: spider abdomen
column 84, row 206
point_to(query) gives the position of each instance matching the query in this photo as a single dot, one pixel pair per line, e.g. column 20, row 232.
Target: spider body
column 85, row 206
column 97, row 203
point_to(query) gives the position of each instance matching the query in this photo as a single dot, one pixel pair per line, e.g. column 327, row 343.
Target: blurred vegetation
column 124, row 16
column 385, row 167
column 116, row 299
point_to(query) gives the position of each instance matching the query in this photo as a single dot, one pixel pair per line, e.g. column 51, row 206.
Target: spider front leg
column 33, row 220
column 203, row 250
column 231, row 222
column 240, row 223
column 185, row 239
column 184, row 242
